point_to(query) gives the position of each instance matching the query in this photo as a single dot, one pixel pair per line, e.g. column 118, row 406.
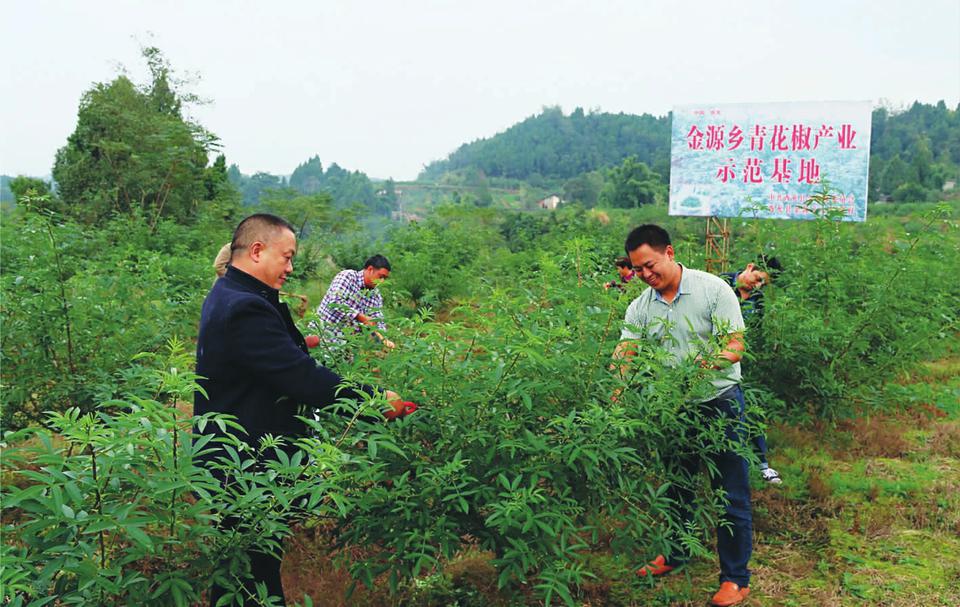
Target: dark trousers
column 760, row 448
column 734, row 543
column 264, row 569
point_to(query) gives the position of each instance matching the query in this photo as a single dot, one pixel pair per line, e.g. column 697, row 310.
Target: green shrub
column 856, row 306
column 517, row 445
column 112, row 508
column 80, row 302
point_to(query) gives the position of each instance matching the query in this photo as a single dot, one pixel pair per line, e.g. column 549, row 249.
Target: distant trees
column 6, row 195
column 22, row 186
column 346, row 188
column 630, row 185
column 309, row 212
column 389, row 193
column 913, row 153
column 252, row 187
column 895, row 173
column 910, row 192
column 215, row 180
column 133, row 149
column 308, row 177
column 349, row 187
column 27, row 190
column 584, row 188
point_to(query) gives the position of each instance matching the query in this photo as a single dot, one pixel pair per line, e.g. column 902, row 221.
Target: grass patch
column 871, row 478
column 905, row 567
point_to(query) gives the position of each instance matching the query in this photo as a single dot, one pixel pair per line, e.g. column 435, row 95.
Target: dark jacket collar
column 252, row 284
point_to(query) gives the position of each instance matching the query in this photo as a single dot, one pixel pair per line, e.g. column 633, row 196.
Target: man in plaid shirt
column 353, row 300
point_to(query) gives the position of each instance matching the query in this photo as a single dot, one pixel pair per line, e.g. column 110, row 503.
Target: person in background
column 748, row 285
column 625, row 272
column 683, row 310
column 353, row 300
column 222, row 260
column 749, row 282
column 253, row 362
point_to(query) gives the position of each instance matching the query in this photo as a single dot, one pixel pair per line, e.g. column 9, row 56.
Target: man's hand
column 724, row 358
column 715, row 364
column 623, row 355
column 383, row 340
column 731, row 353
column 401, row 408
column 625, row 351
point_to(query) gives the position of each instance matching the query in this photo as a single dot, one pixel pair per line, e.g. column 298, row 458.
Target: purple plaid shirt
column 345, row 299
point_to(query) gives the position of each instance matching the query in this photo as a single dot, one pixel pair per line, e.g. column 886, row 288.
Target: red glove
column 312, row 341
column 401, row 408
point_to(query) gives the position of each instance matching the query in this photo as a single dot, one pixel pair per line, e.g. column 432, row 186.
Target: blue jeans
column 760, row 448
column 734, row 543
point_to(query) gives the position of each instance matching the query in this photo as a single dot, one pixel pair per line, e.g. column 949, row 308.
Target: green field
column 517, row 482
column 536, row 471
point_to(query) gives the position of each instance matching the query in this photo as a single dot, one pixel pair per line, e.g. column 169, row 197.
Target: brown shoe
column 729, row 594
column 657, row 566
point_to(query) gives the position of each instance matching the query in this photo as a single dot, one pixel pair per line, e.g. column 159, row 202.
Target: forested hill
column 554, row 145
column 914, row 151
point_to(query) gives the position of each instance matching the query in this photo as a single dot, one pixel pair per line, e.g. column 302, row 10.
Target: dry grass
column 870, row 437
column 942, row 370
column 311, row 567
column 945, row 439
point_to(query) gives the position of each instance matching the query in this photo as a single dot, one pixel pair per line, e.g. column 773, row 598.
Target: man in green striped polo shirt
column 686, row 312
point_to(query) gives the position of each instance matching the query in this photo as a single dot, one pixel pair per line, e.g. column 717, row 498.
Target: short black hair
column 378, row 262
column 259, row 226
column 648, row 234
column 623, row 262
column 771, row 264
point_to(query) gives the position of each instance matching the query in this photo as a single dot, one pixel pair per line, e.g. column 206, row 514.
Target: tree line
column 345, row 188
column 133, row 148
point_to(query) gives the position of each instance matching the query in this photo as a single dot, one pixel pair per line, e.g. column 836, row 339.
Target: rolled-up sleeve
column 632, row 322
column 339, row 303
column 376, row 310
column 726, row 313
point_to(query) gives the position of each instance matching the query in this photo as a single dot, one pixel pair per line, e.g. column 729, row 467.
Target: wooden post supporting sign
column 717, row 245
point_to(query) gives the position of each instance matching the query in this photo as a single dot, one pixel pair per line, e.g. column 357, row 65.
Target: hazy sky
column 386, row 87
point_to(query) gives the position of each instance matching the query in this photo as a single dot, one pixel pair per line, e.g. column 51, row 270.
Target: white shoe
column 771, row 476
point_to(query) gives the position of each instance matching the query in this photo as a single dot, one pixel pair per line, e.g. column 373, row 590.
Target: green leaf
column 139, row 536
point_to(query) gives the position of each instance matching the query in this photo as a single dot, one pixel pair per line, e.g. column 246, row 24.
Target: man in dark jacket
column 253, row 359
